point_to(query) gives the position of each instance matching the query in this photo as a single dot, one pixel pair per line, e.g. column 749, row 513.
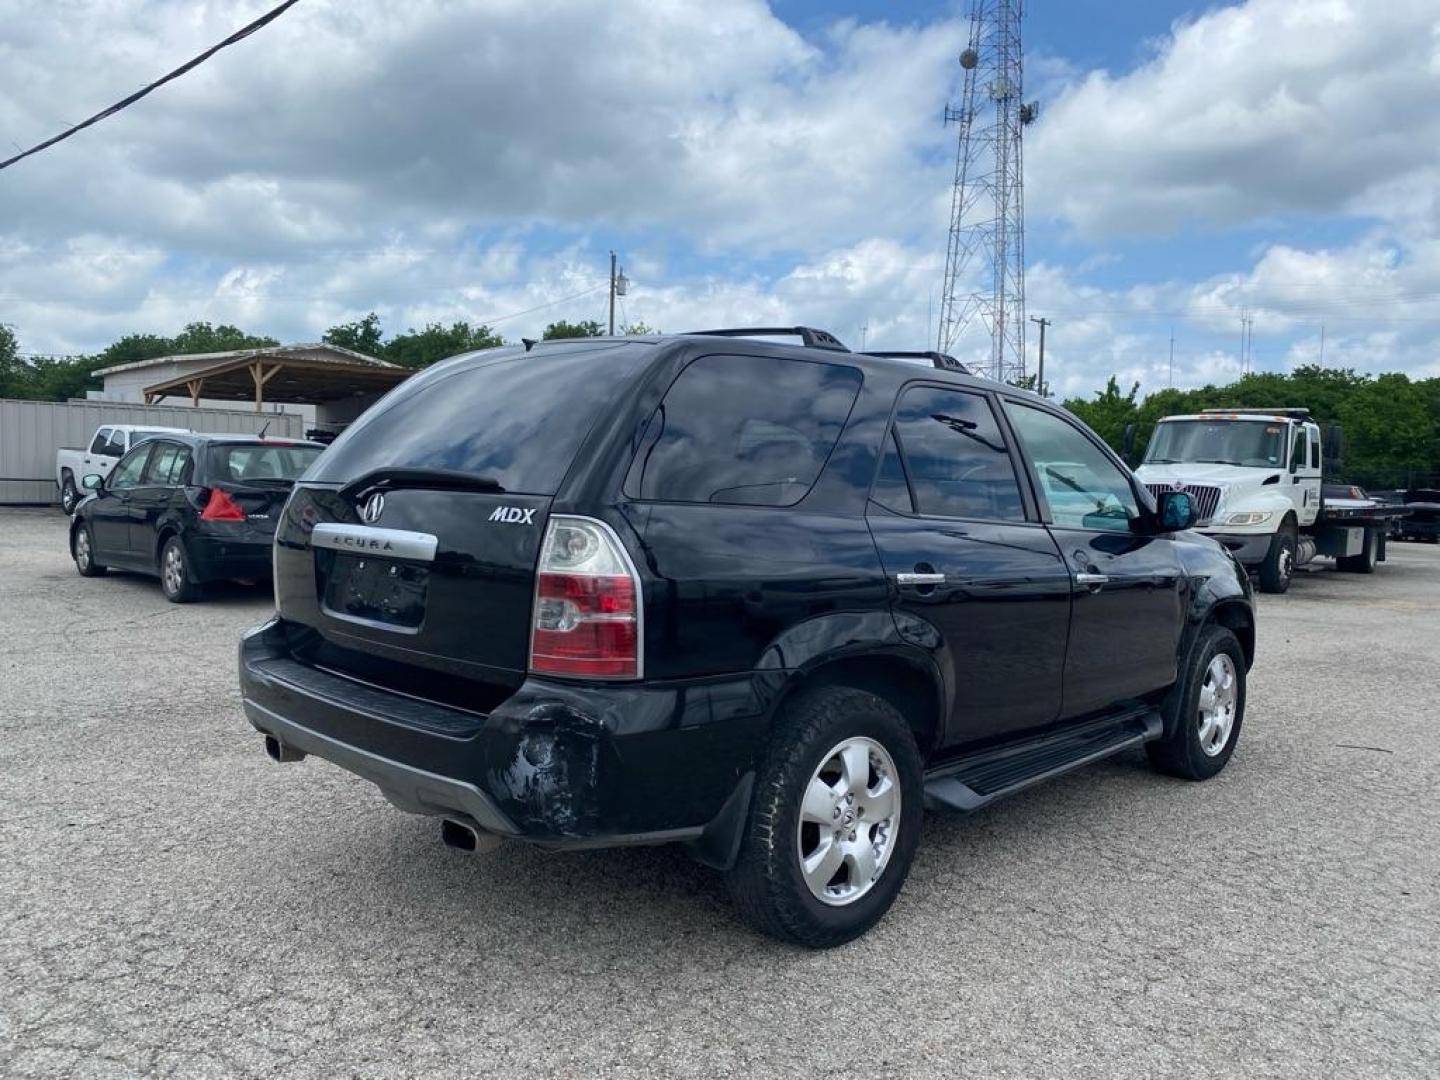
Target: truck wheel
column 176, row 581
column 835, row 820
column 1204, row 709
column 1364, row 563
column 1279, row 565
column 83, row 549
column 69, row 495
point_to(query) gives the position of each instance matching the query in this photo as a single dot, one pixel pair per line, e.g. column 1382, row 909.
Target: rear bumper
column 216, row 557
column 1249, row 549
column 559, row 765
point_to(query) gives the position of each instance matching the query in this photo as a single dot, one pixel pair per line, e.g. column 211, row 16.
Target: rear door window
column 116, row 446
column 102, row 442
column 743, row 430
column 161, row 462
column 516, row 419
column 947, row 458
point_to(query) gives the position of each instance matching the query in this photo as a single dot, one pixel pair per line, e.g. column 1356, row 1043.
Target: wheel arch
column 906, row 678
column 1237, row 617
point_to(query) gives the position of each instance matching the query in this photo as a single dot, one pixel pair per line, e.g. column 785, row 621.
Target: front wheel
column 835, row 820
column 1279, row 565
column 69, row 495
column 83, row 549
column 1204, row 710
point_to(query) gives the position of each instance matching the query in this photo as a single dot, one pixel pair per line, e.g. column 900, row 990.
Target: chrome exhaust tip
column 465, row 837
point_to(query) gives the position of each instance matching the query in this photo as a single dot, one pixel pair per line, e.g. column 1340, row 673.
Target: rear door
column 150, row 498
column 972, row 577
column 407, row 555
column 1127, row 615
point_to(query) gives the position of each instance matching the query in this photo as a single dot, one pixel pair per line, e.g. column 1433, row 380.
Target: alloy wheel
column 82, row 549
column 173, row 571
column 849, row 821
column 1219, row 697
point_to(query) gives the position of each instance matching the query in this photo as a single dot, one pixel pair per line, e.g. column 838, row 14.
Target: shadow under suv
column 766, row 600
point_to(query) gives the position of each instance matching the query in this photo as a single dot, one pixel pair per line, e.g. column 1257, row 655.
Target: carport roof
column 271, row 375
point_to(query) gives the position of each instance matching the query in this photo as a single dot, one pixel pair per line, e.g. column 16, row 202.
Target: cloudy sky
column 751, row 162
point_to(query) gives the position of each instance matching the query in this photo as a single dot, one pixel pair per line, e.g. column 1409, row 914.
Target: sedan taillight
column 221, row 507
column 587, row 618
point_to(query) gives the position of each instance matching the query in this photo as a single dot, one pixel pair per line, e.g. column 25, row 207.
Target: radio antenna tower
column 987, row 210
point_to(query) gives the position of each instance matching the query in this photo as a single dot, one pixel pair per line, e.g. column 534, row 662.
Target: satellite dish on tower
column 969, row 58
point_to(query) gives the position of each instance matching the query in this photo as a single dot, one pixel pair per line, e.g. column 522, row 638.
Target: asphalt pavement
column 174, row 903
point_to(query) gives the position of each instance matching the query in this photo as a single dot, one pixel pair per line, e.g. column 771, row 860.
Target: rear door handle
column 1092, row 581
column 908, row 578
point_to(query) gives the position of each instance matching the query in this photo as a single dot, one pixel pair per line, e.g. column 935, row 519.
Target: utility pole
column 1040, row 371
column 612, row 294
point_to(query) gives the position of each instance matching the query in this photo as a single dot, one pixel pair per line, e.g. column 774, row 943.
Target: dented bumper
column 556, row 764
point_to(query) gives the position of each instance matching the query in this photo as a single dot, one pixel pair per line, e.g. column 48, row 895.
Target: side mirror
column 1175, row 510
column 1127, row 445
column 91, row 481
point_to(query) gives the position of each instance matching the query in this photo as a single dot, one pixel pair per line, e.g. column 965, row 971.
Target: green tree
column 563, row 329
column 15, row 374
column 1109, row 413
column 421, row 348
column 636, row 329
column 201, row 337
column 362, row 336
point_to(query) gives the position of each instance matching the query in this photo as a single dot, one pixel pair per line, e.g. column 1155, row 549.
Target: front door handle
column 908, row 578
column 1092, row 581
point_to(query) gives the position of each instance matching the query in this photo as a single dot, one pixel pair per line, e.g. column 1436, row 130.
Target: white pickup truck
column 74, row 463
column 1254, row 475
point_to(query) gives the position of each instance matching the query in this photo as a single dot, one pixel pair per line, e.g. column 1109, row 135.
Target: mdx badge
column 514, row 515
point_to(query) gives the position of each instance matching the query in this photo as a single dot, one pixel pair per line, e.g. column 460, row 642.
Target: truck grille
column 1207, row 498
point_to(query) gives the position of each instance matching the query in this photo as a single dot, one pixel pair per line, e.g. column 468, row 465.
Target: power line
column 244, row 32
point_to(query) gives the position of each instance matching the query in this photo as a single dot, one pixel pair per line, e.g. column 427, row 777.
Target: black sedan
column 189, row 509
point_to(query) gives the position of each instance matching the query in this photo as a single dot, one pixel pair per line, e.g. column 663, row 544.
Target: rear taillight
column 221, row 507
column 587, row 619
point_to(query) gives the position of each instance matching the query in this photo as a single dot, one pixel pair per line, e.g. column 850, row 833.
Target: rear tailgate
column 406, row 557
column 442, row 583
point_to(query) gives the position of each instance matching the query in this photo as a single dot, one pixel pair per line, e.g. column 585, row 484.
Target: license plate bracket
column 382, row 592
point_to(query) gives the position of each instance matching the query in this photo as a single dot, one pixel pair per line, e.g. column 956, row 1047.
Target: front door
column 1127, row 616
column 110, row 514
column 973, row 578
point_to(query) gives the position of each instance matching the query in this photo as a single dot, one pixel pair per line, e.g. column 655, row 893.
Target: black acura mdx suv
column 766, row 600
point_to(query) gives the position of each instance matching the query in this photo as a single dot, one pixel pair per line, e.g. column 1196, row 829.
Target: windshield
column 249, row 463
column 1257, row 443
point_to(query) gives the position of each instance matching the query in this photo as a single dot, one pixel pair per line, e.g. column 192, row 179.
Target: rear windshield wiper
column 412, row 477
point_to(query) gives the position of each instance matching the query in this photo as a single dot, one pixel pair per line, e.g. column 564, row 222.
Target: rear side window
column 517, row 419
column 743, row 430
column 947, row 458
column 161, row 462
column 243, row 463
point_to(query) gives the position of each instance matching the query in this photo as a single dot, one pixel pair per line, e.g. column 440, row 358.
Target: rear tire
column 835, row 820
column 176, row 579
column 1364, row 563
column 1204, row 710
column 1278, row 569
column 69, row 495
column 82, row 549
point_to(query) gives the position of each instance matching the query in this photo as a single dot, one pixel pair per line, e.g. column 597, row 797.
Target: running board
column 979, row 780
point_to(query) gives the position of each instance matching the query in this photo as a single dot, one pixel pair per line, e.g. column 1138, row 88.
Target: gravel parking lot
column 173, row 903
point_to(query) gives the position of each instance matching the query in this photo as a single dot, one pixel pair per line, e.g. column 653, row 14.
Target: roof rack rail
column 943, row 361
column 808, row 335
column 1286, row 411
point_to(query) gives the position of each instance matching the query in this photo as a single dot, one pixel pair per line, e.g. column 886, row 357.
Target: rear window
column 517, row 419
column 248, row 463
column 746, row 430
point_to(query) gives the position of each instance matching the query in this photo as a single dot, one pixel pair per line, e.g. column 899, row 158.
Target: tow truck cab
column 1255, row 478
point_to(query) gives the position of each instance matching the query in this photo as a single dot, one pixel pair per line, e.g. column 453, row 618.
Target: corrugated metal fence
column 31, row 432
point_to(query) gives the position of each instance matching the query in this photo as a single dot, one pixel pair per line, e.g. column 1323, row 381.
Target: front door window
column 1083, row 488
